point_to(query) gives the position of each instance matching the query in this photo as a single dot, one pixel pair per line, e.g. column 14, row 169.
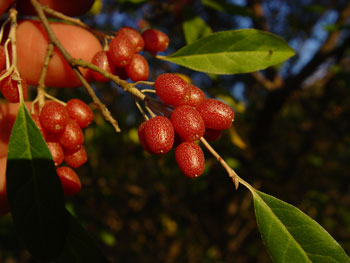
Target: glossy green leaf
column 227, row 7
column 292, row 236
column 233, row 52
column 34, row 190
column 80, row 247
column 194, row 27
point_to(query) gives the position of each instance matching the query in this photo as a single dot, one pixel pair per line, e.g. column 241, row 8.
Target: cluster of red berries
column 123, row 58
column 193, row 117
column 9, row 86
column 61, row 127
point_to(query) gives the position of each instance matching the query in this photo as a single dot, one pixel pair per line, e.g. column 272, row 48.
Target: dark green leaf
column 80, row 247
column 233, row 52
column 230, row 8
column 292, row 236
column 34, row 190
column 194, row 27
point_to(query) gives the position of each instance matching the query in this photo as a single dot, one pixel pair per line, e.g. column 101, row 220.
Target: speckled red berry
column 159, row 134
column 216, row 114
column 80, row 112
column 188, row 123
column 196, row 96
column 138, row 68
column 133, row 36
column 9, row 88
column 56, row 152
column 70, row 181
column 77, row 158
column 120, row 51
column 36, row 120
column 172, row 89
column 190, row 158
column 102, row 60
column 53, row 117
column 212, row 135
column 2, row 57
column 141, row 135
column 72, row 136
column 155, row 40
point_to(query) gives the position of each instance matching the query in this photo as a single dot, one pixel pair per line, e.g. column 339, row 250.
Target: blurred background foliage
column 290, row 139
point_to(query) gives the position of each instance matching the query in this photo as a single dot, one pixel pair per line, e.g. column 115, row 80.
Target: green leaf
column 80, row 247
column 292, row 236
column 224, row 6
column 233, row 52
column 34, row 190
column 194, row 27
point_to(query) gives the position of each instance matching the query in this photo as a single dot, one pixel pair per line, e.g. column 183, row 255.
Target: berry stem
column 144, row 115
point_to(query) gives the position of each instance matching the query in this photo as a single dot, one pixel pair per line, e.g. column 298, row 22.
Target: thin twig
column 144, row 115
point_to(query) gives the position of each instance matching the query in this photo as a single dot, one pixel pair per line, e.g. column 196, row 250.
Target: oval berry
column 102, row 60
column 172, row 89
column 120, row 51
column 2, row 57
column 138, row 68
column 53, row 117
column 75, row 159
column 188, row 123
column 212, row 135
column 159, row 134
column 56, row 152
column 141, row 135
column 155, row 40
column 133, row 36
column 69, row 179
column 72, row 137
column 36, row 120
column 196, row 96
column 9, row 88
column 216, row 114
column 190, row 158
column 80, row 112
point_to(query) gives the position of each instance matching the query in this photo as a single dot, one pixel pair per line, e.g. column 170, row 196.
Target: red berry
column 36, row 120
column 69, row 179
column 212, row 135
column 138, row 68
column 121, row 51
column 133, row 36
column 172, row 89
column 53, row 117
column 155, row 40
column 216, row 114
column 141, row 135
column 196, row 96
column 9, row 88
column 72, row 137
column 80, row 112
column 102, row 60
column 75, row 159
column 188, row 123
column 56, row 152
column 190, row 158
column 2, row 57
column 159, row 134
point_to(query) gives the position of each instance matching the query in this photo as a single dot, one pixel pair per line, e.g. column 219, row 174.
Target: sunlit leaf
column 34, row 190
column 233, row 52
column 292, row 236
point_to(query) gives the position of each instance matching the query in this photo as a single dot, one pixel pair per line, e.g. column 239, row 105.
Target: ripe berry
column 188, row 123
column 133, row 36
column 75, row 159
column 53, row 117
column 159, row 134
column 9, row 88
column 172, row 89
column 216, row 114
column 80, row 112
column 56, row 152
column 72, row 137
column 155, row 40
column 138, row 68
column 120, row 51
column 102, row 60
column 190, row 158
column 196, row 96
column 69, row 179
column 212, row 135
column 2, row 57
column 141, row 135
column 36, row 120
